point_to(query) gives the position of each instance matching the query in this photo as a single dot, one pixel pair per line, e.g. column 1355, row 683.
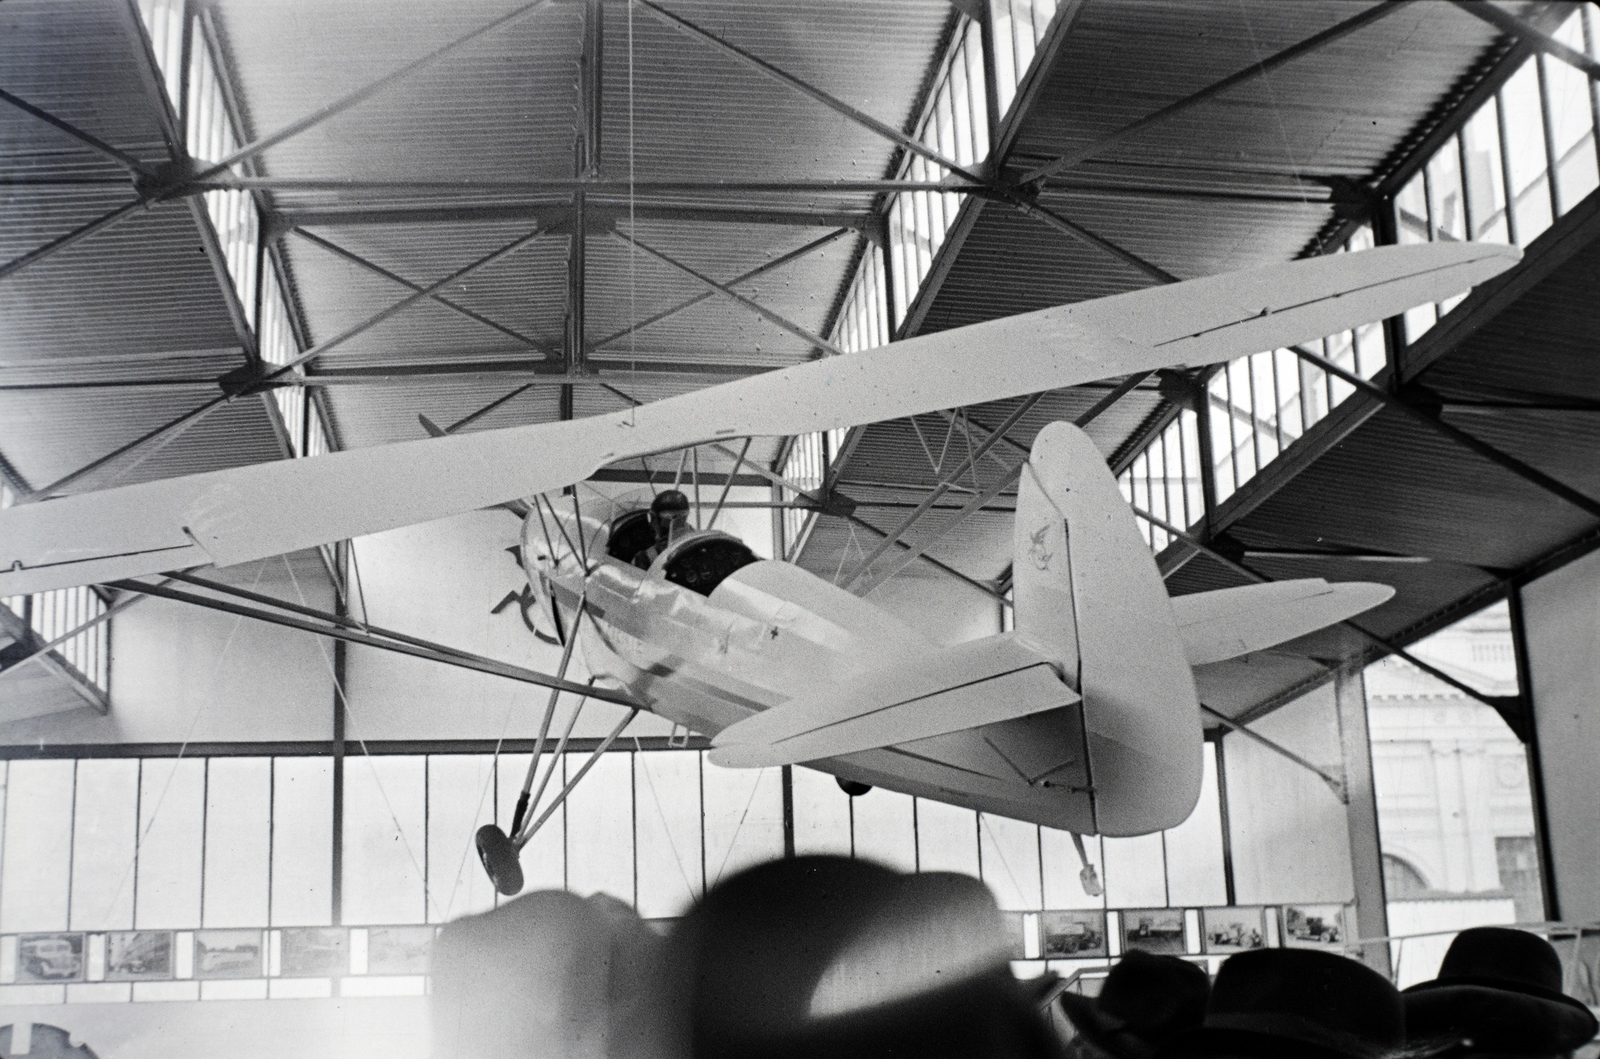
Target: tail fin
column 1087, row 593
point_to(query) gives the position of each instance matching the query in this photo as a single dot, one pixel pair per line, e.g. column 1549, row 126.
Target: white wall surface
column 1562, row 615
column 179, row 672
column 1290, row 836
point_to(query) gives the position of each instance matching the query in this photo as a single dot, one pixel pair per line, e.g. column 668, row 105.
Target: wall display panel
column 385, row 840
column 105, row 832
column 885, row 828
column 460, row 797
column 1194, row 866
column 671, row 861
column 1290, row 838
column 302, row 841
column 37, row 860
column 743, row 818
column 1061, row 867
column 238, row 870
column 1009, row 855
column 1136, row 871
column 168, row 877
column 947, row 838
column 821, row 814
column 600, row 828
column 544, row 858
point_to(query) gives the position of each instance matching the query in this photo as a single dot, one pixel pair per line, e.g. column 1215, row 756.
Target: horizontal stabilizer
column 972, row 684
column 1234, row 621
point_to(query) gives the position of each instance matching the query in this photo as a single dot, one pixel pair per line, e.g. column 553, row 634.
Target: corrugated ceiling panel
column 46, row 436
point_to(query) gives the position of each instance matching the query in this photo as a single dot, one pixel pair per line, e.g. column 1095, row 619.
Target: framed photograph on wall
column 49, row 958
column 138, row 955
column 399, row 950
column 1157, row 930
column 315, row 952
column 1224, row 931
column 1314, row 927
column 1072, row 933
column 228, row 954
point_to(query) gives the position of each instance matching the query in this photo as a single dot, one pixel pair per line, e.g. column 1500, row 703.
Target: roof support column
column 1361, row 816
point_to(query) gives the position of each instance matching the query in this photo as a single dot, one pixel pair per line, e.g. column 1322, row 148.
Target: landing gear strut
column 499, row 851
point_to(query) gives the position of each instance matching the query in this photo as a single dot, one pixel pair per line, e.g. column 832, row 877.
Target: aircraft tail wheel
column 500, row 860
column 851, row 787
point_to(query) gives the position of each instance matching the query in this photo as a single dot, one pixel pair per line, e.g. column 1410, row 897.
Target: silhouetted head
column 669, row 511
column 1500, row 990
column 1145, row 1001
column 832, row 958
column 1295, row 1004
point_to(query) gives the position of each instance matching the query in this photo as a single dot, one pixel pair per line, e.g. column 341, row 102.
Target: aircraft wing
column 232, row 516
column 982, row 682
column 1230, row 622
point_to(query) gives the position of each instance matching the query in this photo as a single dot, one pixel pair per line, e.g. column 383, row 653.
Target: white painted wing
column 236, row 515
column 966, row 686
column 1230, row 622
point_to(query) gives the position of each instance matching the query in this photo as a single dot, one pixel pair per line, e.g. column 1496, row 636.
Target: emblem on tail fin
column 1036, row 550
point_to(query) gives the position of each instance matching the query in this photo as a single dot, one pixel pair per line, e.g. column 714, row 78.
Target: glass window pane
column 544, row 858
column 1484, row 176
column 1063, row 887
column 1571, row 120
column 38, row 846
column 1009, row 855
column 1005, row 68
column 600, row 827
column 105, row 830
column 171, row 822
column 460, row 797
column 821, row 814
column 743, row 818
column 302, row 841
column 885, row 828
column 1136, row 872
column 1411, row 211
column 1525, row 154
column 385, row 842
column 1194, row 847
column 1446, row 202
column 1455, row 811
column 666, row 786
column 238, row 841
column 947, row 838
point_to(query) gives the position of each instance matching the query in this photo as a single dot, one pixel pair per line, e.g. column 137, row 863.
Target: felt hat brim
column 1495, row 1016
column 1107, row 1034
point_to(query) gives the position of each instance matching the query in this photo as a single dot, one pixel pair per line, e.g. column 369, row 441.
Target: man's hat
column 1501, row 989
column 1296, row 1004
column 814, row 956
column 1145, row 1001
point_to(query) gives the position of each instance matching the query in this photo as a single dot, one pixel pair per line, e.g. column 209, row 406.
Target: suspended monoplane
column 1083, row 718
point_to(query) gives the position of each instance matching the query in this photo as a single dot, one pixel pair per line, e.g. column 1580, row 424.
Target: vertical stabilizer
column 1087, row 594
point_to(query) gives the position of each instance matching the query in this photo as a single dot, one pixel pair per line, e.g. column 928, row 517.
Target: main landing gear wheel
column 852, row 787
column 500, row 860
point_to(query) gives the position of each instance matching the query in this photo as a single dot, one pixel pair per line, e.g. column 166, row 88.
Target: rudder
column 1087, row 593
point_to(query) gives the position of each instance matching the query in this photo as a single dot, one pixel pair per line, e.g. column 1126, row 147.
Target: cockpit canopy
column 699, row 561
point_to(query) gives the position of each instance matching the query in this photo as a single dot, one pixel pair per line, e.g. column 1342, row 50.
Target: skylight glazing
column 1546, row 110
